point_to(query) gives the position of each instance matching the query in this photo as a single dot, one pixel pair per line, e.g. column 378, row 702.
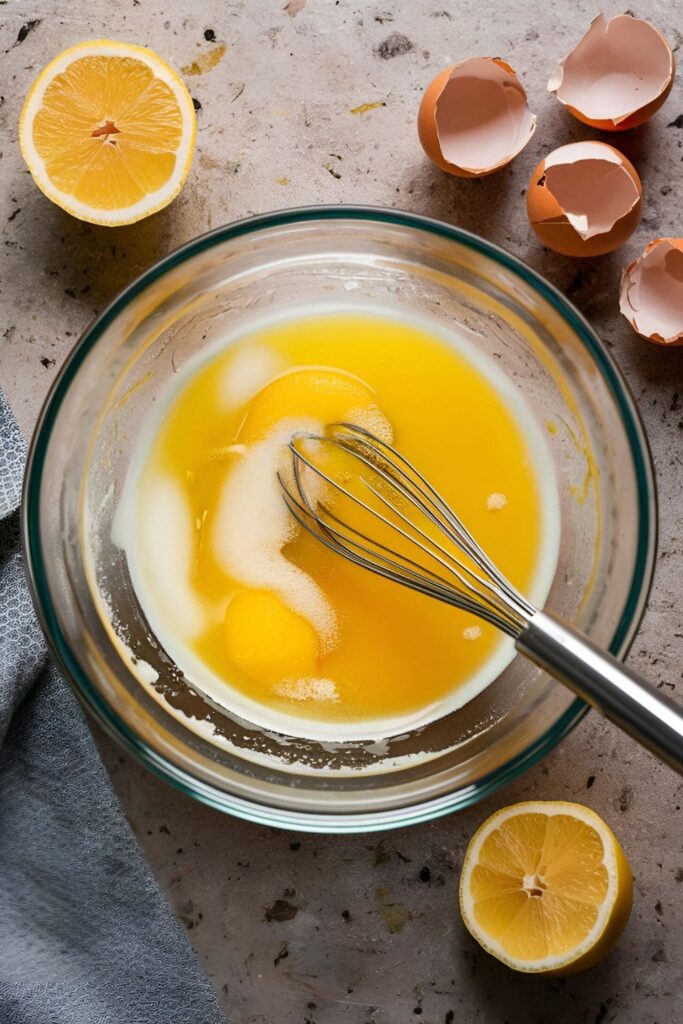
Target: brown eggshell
column 644, row 65
column 636, row 119
column 553, row 228
column 427, row 127
column 658, row 314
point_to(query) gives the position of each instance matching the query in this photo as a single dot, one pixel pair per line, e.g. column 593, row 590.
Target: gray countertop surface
column 276, row 129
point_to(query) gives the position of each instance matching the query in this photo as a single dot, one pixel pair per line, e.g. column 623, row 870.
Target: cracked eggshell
column 584, row 199
column 474, row 117
column 618, row 76
column 651, row 296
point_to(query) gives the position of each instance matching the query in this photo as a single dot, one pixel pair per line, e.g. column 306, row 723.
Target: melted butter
column 396, row 658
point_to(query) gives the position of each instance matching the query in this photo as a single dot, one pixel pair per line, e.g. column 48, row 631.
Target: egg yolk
column 266, row 640
column 316, row 393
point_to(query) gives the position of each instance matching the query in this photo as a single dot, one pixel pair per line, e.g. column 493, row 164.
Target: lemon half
column 545, row 887
column 108, row 131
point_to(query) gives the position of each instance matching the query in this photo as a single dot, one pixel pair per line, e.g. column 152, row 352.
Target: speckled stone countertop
column 355, row 930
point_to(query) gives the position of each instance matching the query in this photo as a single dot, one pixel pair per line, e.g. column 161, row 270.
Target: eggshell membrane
column 618, row 75
column 584, row 199
column 474, row 118
column 651, row 296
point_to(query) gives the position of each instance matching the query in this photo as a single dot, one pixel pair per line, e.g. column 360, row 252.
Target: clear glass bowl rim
column 624, row 633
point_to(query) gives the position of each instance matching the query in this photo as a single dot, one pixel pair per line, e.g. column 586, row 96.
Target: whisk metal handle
column 615, row 690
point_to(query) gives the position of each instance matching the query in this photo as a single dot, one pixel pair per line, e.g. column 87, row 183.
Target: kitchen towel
column 86, row 936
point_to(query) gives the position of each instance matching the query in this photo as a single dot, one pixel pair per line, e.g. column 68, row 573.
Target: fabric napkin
column 86, row 936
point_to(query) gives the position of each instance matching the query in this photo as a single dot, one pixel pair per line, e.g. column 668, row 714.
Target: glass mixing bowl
column 268, row 265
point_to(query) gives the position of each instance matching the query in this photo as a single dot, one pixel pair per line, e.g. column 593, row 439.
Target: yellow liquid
column 394, row 655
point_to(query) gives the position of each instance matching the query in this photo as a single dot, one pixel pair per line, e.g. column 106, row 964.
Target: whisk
column 436, row 555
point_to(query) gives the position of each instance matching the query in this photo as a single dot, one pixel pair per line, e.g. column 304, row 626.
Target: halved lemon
column 545, row 887
column 107, row 131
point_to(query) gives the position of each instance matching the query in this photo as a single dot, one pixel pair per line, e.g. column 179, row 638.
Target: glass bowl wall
column 221, row 282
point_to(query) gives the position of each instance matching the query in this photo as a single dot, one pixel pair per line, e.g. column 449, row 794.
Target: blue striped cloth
column 86, row 936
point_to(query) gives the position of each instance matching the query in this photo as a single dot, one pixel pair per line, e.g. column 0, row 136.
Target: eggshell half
column 474, row 117
column 584, row 199
column 618, row 76
column 651, row 295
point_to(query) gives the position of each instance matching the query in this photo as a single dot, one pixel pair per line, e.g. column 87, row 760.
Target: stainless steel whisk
column 454, row 569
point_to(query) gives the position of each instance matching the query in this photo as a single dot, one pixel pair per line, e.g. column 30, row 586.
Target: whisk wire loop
column 485, row 593
column 466, row 541
column 390, row 568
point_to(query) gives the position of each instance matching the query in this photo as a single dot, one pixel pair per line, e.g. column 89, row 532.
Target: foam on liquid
column 253, row 525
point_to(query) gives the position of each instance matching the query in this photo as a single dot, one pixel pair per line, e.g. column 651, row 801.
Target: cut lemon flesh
column 107, row 131
column 545, row 887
